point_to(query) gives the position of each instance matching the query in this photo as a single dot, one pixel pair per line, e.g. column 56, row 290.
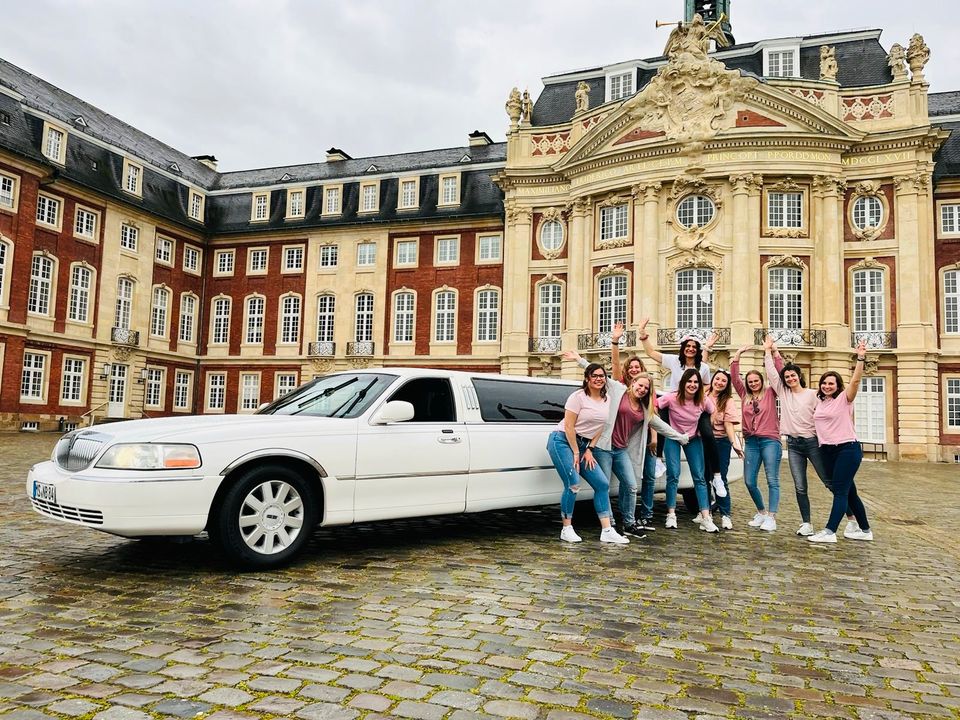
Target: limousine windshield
column 345, row 395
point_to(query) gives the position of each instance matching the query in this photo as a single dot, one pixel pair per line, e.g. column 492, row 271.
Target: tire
column 690, row 500
column 265, row 518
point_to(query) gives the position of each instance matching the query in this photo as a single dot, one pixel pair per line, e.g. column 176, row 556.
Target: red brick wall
column 179, row 282
column 15, row 347
column 232, row 402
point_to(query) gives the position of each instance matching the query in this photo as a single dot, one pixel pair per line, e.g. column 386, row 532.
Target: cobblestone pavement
column 491, row 616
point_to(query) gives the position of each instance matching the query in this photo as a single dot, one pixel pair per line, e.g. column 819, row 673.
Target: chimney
column 336, row 155
column 479, row 137
column 209, row 160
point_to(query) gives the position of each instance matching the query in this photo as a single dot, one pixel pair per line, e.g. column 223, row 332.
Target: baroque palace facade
column 807, row 186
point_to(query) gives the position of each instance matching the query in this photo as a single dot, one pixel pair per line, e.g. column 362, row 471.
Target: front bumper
column 130, row 504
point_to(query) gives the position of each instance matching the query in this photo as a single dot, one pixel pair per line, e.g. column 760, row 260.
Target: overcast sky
column 277, row 82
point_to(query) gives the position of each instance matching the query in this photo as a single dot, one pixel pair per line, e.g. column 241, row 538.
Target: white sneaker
column 858, row 534
column 698, row 518
column 709, row 525
column 757, row 520
column 568, row 534
column 718, row 486
column 824, row 536
column 769, row 523
column 671, row 522
column 851, row 527
column 805, row 529
column 609, row 535
column 726, row 523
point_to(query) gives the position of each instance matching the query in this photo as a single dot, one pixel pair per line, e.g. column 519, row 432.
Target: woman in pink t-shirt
column 842, row 454
column 685, row 406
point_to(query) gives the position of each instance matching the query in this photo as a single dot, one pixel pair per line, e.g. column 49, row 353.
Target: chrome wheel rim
column 271, row 517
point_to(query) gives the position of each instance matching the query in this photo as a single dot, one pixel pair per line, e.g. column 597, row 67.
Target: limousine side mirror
column 393, row 412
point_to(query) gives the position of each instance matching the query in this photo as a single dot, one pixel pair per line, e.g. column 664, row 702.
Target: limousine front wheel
column 266, row 517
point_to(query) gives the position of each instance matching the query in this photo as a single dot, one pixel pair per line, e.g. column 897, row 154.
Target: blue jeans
column 842, row 463
column 723, row 465
column 562, row 457
column 769, row 452
column 799, row 450
column 617, row 461
column 671, row 456
column 647, row 485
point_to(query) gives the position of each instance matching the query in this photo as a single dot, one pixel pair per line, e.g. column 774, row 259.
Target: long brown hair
column 724, row 395
column 682, row 387
column 835, row 376
column 626, row 365
column 590, row 369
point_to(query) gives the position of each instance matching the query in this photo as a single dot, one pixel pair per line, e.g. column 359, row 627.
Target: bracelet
column 861, row 359
column 644, row 336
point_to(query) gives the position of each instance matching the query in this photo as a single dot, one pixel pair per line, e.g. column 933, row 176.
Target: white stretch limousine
column 347, row 447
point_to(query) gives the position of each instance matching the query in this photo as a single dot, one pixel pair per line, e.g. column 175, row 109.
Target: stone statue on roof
column 692, row 37
column 917, row 55
column 526, row 108
column 514, row 107
column 897, row 60
column 828, row 63
column 582, row 97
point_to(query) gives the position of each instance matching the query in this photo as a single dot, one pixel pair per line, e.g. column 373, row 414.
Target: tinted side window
column 522, row 402
column 431, row 398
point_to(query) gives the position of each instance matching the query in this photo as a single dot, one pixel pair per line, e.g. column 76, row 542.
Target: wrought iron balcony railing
column 321, row 348
column 125, row 336
column 360, row 347
column 875, row 340
column 601, row 341
column 792, row 337
column 545, row 345
column 673, row 336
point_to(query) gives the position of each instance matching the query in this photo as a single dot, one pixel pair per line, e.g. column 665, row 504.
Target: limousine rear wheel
column 266, row 517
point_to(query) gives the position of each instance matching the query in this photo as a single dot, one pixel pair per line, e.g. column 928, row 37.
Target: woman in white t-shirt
column 571, row 447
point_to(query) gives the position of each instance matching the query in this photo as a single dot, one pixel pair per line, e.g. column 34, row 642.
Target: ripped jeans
column 562, row 457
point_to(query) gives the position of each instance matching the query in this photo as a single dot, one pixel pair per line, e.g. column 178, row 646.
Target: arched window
column 188, row 317
column 867, row 212
column 868, row 301
column 124, row 306
column 695, row 298
column 613, row 301
column 488, row 315
column 445, row 316
column 363, row 318
column 326, row 306
column 78, row 304
column 221, row 321
column 785, row 298
column 403, row 316
column 551, row 235
column 256, row 304
column 158, row 312
column 41, row 284
column 5, row 254
column 951, row 301
column 290, row 319
column 549, row 310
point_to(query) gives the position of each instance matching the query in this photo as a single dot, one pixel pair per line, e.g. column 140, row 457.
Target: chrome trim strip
column 392, row 476
column 146, row 479
column 274, row 452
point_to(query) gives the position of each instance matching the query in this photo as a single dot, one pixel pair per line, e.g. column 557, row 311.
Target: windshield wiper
column 360, row 396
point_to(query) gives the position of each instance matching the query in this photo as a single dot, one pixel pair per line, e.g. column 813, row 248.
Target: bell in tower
column 711, row 11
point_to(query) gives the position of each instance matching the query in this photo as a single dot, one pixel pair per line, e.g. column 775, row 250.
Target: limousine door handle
column 449, row 439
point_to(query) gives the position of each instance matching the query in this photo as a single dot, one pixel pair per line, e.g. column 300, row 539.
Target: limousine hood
column 200, row 429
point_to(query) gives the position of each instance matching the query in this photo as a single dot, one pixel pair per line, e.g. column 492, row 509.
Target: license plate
column 43, row 491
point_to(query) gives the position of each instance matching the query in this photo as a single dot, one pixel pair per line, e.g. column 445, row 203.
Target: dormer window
column 621, row 84
column 782, row 61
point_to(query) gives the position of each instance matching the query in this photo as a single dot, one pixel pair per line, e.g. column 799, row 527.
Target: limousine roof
column 453, row 374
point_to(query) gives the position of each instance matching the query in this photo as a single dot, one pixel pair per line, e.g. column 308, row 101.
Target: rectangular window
column 250, row 391
column 331, row 200
column 868, row 301
column 785, row 210
column 3, row 273
column 158, row 312
column 368, row 197
column 257, row 261
column 78, row 305
column 41, row 283
column 124, row 303
column 48, row 211
column 953, row 403
column 54, row 144
column 290, row 320
column 191, row 259
column 620, row 85
column 951, row 301
column 221, row 321
column 448, row 251
column 489, row 248
column 132, row 174
column 8, row 191
column 85, row 225
column 129, row 237
column 164, row 252
column 406, row 252
column 283, row 384
column 613, row 301
column 216, row 391
column 326, row 304
column 153, row 394
column 261, row 207
column 188, row 315
column 870, row 410
column 71, row 385
column 446, row 316
column 613, row 222
column 695, row 299
column 449, row 189
column 296, row 204
column 785, row 300
column 366, row 254
column 223, row 262
column 196, row 206
column 255, row 311
column 549, row 310
column 33, row 377
column 409, row 189
column 328, row 256
column 363, row 318
column 949, row 218
column 293, row 259
column 403, row 308
column 780, row 63
column 488, row 315
column 181, row 390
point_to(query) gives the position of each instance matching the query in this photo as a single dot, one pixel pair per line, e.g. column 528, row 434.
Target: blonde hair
column 651, row 408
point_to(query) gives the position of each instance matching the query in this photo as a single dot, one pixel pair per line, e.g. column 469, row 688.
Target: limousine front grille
column 65, row 512
column 76, row 452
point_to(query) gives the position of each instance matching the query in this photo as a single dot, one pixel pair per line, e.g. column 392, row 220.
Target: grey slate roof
column 944, row 103
column 860, row 62
column 947, row 158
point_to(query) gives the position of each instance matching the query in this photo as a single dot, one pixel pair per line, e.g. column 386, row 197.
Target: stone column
column 829, row 283
column 744, row 275
column 514, row 349
column 647, row 277
column 577, row 293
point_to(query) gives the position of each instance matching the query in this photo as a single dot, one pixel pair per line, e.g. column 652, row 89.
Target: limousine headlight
column 150, row 456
